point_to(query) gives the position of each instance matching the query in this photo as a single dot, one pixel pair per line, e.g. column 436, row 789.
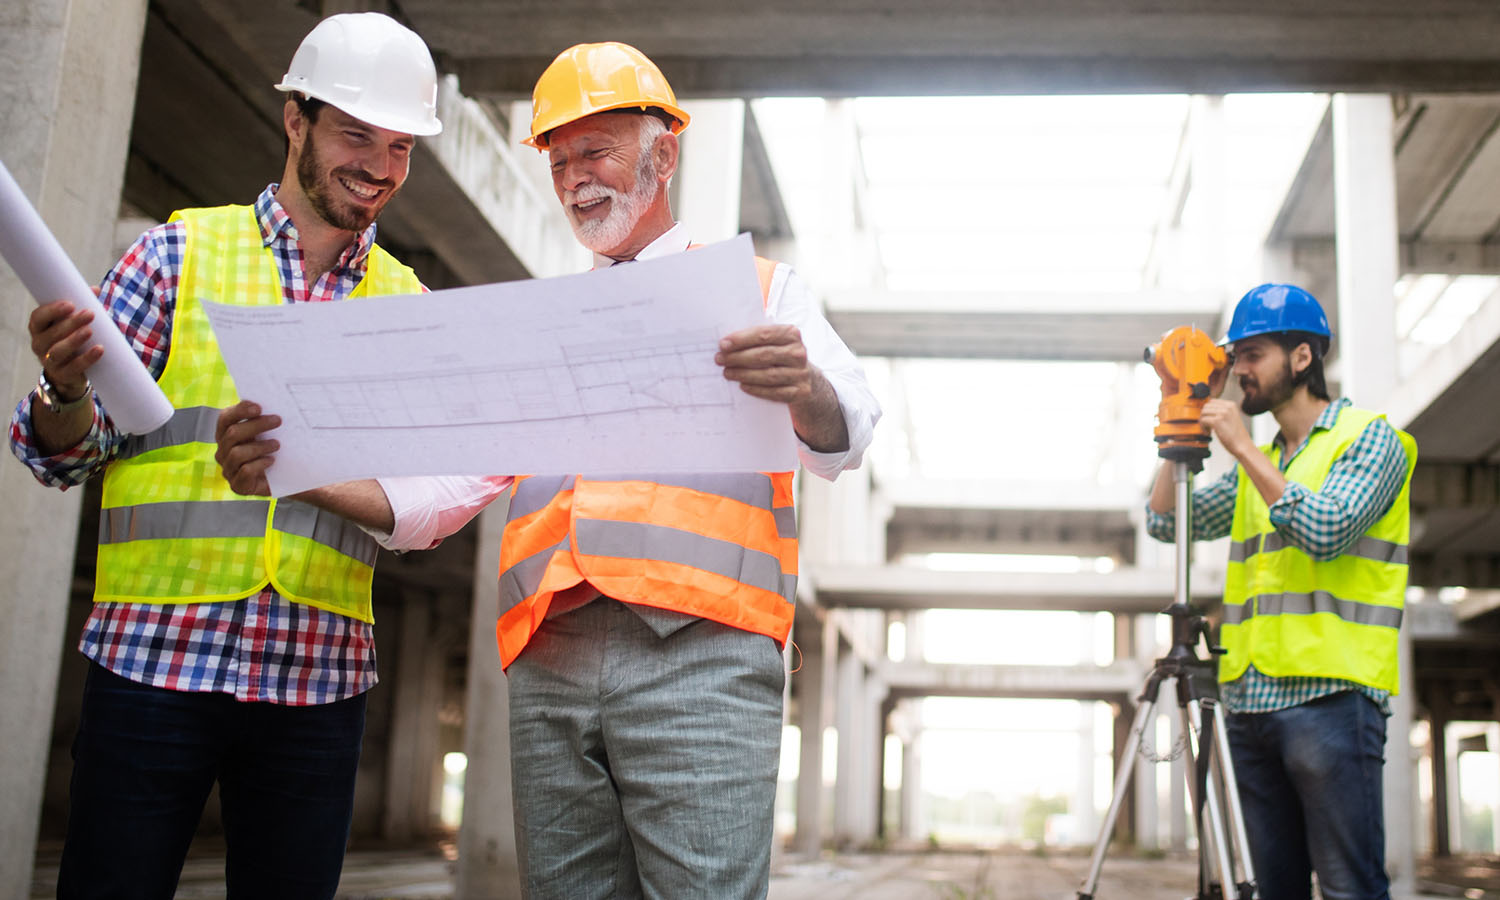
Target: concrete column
column 1178, row 773
column 1147, row 834
column 708, row 183
column 487, row 864
column 849, row 718
column 1454, row 792
column 1147, row 798
column 912, row 824
column 1400, row 763
column 1438, row 749
column 1366, row 249
column 1124, row 714
column 412, row 764
column 67, row 95
column 1208, row 144
column 814, row 712
column 872, row 758
column 913, row 817
column 1364, row 183
column 1492, row 742
column 1083, row 791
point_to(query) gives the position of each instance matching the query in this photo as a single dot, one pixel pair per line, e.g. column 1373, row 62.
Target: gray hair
column 652, row 127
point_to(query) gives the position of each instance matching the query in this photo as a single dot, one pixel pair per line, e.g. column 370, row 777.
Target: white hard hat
column 371, row 67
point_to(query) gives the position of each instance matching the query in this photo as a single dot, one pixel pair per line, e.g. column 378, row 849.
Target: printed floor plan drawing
column 605, row 371
column 671, row 371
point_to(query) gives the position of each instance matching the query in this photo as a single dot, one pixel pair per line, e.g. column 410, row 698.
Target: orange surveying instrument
column 1190, row 365
column 1188, row 361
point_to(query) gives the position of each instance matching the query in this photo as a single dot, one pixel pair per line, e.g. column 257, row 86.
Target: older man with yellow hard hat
column 643, row 617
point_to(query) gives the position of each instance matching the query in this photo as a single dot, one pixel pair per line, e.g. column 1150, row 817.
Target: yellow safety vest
column 1290, row 615
column 171, row 530
column 717, row 546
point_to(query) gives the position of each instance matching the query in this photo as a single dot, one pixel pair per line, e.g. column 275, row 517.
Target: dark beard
column 1271, row 396
column 344, row 218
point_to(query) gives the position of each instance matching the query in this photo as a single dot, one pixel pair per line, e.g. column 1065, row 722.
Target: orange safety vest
column 721, row 546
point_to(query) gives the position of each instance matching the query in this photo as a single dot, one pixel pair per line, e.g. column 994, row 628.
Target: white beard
column 625, row 210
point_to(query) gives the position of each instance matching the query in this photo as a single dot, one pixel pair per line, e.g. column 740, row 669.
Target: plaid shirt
column 1359, row 489
column 260, row 648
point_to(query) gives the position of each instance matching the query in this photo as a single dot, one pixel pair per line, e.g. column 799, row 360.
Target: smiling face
column 609, row 170
column 347, row 169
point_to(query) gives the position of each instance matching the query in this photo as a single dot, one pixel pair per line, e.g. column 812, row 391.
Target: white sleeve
column 791, row 303
column 430, row 508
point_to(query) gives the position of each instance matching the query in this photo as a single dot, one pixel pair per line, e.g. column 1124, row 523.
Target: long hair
column 1312, row 376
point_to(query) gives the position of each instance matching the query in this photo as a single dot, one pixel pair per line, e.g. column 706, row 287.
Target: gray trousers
column 644, row 766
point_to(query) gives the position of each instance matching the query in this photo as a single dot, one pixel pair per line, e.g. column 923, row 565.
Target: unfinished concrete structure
column 119, row 112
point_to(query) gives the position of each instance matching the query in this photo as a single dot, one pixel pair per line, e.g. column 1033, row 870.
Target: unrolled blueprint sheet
column 610, row 371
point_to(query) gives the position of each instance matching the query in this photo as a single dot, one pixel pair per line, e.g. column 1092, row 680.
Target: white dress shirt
column 429, row 508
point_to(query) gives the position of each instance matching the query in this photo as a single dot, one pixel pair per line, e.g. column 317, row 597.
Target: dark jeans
column 145, row 759
column 1310, row 781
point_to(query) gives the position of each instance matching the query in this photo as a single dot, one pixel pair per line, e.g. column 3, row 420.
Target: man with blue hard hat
column 1318, row 522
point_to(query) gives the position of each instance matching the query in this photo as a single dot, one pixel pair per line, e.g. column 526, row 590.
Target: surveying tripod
column 1188, row 361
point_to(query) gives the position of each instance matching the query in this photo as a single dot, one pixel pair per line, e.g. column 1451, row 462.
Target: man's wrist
column 59, row 401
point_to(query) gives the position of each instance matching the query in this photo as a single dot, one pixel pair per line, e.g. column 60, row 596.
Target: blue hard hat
column 1276, row 307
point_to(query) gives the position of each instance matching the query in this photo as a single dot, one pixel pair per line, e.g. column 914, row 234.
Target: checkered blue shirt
column 1359, row 489
column 259, row 648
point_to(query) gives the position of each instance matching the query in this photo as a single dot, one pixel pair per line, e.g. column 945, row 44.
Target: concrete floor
column 427, row 874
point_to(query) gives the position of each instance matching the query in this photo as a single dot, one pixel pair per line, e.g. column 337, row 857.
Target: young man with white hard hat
column 1318, row 521
column 230, row 638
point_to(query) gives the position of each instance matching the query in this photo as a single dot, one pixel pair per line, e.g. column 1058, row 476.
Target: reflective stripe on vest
column 1314, row 602
column 1290, row 615
column 718, row 546
column 1365, row 547
column 170, row 529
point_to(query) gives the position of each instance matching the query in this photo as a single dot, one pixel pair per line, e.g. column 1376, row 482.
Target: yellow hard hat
column 594, row 78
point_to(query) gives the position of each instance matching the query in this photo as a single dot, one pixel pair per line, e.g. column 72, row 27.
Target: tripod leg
column 1122, row 784
column 1235, row 812
column 1213, row 840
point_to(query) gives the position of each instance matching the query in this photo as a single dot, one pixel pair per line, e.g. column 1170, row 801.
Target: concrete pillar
column 708, row 183
column 872, row 757
column 815, row 704
column 1147, row 795
column 1364, row 183
column 912, row 823
column 1454, row 791
column 1178, row 772
column 1147, row 833
column 1492, row 743
column 1364, row 175
column 1124, row 714
column 67, row 95
column 1400, row 794
column 1083, row 791
column 913, row 815
column 412, row 764
column 1438, row 749
column 1208, row 142
column 487, row 864
column 849, row 718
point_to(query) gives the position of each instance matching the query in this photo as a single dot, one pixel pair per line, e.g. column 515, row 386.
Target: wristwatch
column 54, row 402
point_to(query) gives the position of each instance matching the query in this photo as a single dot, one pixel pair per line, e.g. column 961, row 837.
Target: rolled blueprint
column 130, row 395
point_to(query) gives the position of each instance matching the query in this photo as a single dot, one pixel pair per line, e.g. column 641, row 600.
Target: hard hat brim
column 540, row 141
column 425, row 128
